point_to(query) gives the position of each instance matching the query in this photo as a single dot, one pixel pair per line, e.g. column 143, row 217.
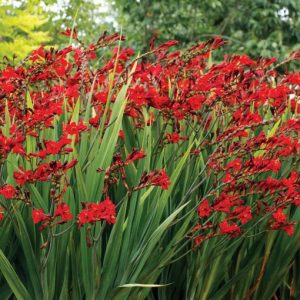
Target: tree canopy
column 254, row 27
column 25, row 25
column 20, row 30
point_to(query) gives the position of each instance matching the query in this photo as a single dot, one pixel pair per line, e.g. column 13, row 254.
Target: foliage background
column 254, row 27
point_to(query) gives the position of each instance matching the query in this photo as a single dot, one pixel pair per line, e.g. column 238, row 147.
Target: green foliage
column 20, row 31
column 254, row 27
column 25, row 25
column 88, row 16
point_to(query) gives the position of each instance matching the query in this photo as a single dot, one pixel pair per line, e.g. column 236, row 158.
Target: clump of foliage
column 119, row 171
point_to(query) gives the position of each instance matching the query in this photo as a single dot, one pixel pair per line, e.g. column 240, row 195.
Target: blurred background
column 254, row 27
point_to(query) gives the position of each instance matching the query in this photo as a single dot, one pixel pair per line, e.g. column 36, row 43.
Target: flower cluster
column 240, row 115
column 62, row 212
column 253, row 185
column 94, row 212
column 157, row 178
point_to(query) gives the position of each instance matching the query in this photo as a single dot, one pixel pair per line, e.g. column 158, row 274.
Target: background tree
column 254, row 27
column 90, row 17
column 20, row 30
column 26, row 24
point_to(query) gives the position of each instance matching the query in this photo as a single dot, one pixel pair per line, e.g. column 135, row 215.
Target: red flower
column 173, row 138
column 196, row 101
column 63, row 211
column 230, row 229
column 279, row 216
column 274, row 165
column 85, row 216
column 204, row 209
column 168, row 44
column 72, row 91
column 73, row 128
column 235, row 164
column 225, row 202
column 228, row 178
column 289, row 228
column 8, row 87
column 243, row 213
column 8, row 191
column 23, row 176
column 53, row 147
column 199, row 239
column 70, row 165
column 121, row 134
column 19, row 149
column 37, row 54
column 161, row 179
column 242, row 133
column 135, row 155
column 195, row 152
column 106, row 210
column 38, row 216
column 93, row 212
column 68, row 32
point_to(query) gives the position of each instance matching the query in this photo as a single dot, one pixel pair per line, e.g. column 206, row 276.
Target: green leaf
column 131, row 285
column 30, row 256
column 269, row 135
column 107, row 146
column 12, row 279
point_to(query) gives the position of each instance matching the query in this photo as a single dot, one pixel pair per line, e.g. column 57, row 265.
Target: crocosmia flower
column 8, row 191
column 38, row 216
